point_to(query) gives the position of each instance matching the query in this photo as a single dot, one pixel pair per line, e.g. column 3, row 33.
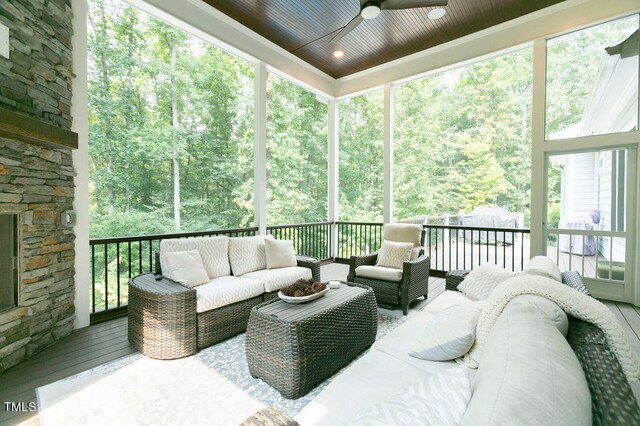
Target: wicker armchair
column 415, row 273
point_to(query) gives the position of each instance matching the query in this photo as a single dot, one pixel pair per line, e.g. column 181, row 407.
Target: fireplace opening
column 8, row 261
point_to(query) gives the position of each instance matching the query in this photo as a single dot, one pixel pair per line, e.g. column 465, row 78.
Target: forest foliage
column 171, row 134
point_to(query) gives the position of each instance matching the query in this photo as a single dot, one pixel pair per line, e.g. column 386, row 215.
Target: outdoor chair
column 395, row 287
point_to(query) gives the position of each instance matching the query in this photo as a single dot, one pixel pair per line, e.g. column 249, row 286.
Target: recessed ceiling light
column 338, row 53
column 436, row 13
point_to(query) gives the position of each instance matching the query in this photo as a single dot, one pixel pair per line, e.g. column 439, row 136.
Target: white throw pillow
column 482, row 280
column 279, row 253
column 440, row 400
column 186, row 267
column 393, row 255
column 246, row 254
column 449, row 334
column 543, row 266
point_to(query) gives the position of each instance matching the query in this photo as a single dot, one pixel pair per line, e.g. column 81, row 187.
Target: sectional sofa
column 528, row 374
column 238, row 281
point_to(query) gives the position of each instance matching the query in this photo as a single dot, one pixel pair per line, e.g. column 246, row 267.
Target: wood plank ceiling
column 305, row 27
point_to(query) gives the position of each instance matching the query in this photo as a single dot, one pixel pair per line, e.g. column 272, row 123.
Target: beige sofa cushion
column 214, row 252
column 379, row 273
column 276, row 279
column 449, row 334
column 186, row 267
column 279, row 253
column 439, row 400
column 543, row 266
column 224, row 291
column 403, row 232
column 528, row 375
column 246, row 254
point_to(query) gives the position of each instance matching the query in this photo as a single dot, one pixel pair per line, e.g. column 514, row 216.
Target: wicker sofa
column 387, row 369
column 240, row 280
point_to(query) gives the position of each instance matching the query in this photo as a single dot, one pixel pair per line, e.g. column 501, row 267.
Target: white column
column 538, row 166
column 387, row 210
column 333, row 170
column 79, row 112
column 260, row 148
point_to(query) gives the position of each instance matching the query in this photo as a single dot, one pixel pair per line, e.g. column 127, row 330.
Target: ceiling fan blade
column 411, row 4
column 347, row 28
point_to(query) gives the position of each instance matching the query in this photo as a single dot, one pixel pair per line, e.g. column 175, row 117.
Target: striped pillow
column 440, row 400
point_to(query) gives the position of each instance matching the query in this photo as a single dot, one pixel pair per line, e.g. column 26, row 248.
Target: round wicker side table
column 455, row 277
column 162, row 317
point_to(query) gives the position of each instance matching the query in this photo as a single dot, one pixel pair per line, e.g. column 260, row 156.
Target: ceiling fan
column 372, row 8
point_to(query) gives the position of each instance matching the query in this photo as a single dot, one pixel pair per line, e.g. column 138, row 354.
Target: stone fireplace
column 36, row 178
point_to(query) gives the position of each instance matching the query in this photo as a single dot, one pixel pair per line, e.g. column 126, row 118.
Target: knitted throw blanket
column 572, row 302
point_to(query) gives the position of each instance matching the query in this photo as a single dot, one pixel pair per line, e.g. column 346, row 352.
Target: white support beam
column 387, row 210
column 333, row 170
column 538, row 161
column 79, row 112
column 260, row 148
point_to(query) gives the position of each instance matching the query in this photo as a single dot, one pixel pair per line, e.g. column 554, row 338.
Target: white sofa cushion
column 543, row 266
column 279, row 253
column 440, row 400
column 393, row 255
column 482, row 280
column 379, row 273
column 275, row 279
column 528, row 375
column 186, row 267
column 246, row 254
column 446, row 299
column 224, row 291
column 214, row 252
column 449, row 334
column 546, row 309
column 403, row 232
column 370, row 379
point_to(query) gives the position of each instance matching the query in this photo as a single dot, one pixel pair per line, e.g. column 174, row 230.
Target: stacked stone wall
column 37, row 183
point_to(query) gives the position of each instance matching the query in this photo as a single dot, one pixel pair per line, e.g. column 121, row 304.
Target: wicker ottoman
column 162, row 317
column 455, row 277
column 295, row 347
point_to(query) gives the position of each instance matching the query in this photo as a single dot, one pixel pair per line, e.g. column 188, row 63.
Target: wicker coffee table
column 162, row 317
column 295, row 347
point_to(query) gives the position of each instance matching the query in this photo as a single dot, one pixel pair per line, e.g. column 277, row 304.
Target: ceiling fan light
column 436, row 13
column 370, row 10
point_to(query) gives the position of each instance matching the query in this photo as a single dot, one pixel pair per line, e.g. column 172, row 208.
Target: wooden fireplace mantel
column 30, row 130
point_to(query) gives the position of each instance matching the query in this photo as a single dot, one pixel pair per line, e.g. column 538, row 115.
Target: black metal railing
column 309, row 239
column 357, row 238
column 115, row 260
column 466, row 247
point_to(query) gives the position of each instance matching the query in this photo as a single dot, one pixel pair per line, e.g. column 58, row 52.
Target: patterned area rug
column 212, row 387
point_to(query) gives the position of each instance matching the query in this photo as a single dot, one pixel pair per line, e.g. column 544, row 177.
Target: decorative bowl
column 302, row 299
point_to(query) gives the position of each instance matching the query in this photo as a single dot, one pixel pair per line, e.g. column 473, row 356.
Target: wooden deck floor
column 92, row 346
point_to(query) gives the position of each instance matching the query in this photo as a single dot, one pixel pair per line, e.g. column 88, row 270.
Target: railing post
column 446, row 233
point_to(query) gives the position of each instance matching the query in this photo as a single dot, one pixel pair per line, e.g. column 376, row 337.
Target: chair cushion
column 482, row 280
column 279, row 253
column 403, row 232
column 448, row 334
column 246, row 254
column 528, row 374
column 214, row 252
column 275, row 279
column 225, row 291
column 543, row 266
column 438, row 400
column 393, row 255
column 186, row 267
column 379, row 273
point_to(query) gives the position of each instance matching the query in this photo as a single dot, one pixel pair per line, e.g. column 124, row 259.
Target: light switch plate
column 4, row 41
